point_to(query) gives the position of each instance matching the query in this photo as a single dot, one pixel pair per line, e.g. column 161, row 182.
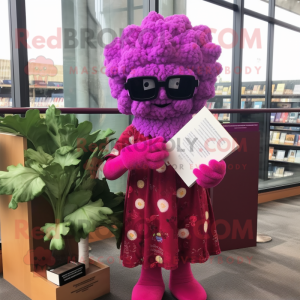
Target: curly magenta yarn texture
column 162, row 47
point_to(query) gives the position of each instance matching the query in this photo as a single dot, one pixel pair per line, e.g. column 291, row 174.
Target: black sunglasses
column 145, row 88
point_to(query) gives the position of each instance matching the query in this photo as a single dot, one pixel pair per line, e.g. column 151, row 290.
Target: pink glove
column 148, row 154
column 210, row 176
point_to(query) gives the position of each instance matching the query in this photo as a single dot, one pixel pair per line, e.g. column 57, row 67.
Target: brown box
column 93, row 285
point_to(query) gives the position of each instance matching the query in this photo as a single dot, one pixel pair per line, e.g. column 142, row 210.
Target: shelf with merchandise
column 35, row 87
column 288, row 96
column 257, row 88
column 223, row 89
column 285, row 130
column 253, row 97
column 46, row 102
column 289, row 124
column 283, row 145
column 283, row 161
column 5, row 101
column 281, row 94
column 253, row 103
column 285, row 174
column 221, row 96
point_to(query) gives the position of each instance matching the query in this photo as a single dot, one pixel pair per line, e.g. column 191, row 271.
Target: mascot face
column 156, row 52
column 162, row 106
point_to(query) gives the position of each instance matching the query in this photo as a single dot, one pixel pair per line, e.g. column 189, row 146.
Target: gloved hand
column 211, row 175
column 148, row 154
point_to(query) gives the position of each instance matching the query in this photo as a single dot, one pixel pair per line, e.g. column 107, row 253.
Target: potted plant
column 61, row 162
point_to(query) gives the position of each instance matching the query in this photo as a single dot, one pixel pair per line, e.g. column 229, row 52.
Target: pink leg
column 184, row 286
column 150, row 285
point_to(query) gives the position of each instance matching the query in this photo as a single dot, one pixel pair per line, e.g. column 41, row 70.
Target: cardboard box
column 93, row 285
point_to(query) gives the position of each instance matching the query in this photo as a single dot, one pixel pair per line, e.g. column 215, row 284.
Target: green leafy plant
column 61, row 162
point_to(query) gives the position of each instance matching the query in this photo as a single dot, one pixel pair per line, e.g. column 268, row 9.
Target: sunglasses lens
column 181, row 87
column 142, row 88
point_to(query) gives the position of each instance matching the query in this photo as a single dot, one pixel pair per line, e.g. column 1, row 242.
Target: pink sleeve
column 114, row 167
column 126, row 139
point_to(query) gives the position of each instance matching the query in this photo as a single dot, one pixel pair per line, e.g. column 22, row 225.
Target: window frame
column 19, row 55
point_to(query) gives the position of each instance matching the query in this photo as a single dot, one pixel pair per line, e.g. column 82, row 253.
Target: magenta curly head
column 162, row 47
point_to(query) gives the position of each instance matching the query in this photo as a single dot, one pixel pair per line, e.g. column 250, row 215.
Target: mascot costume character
column 163, row 72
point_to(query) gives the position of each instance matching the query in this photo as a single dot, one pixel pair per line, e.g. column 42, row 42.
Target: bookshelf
column 283, row 145
column 253, row 95
column 40, row 95
column 288, row 124
column 222, row 99
column 282, row 161
column 284, row 94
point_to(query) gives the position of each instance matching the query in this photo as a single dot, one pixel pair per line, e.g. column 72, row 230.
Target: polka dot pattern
column 131, row 140
column 163, row 205
column 139, row 203
column 115, row 152
column 206, row 215
column 183, row 233
column 181, row 192
column 140, row 184
column 163, row 215
column 162, row 169
column 131, row 234
column 205, row 226
column 159, row 259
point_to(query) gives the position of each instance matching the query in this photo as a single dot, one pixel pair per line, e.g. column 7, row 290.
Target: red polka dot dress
column 164, row 220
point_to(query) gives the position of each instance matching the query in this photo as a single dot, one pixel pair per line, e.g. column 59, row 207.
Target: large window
column 284, row 145
column 5, row 63
column 254, row 70
column 66, row 64
column 220, row 21
column 288, row 11
column 66, row 61
column 45, row 53
column 260, row 6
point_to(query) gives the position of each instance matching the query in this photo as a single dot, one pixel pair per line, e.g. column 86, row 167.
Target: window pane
column 254, row 79
column 5, row 72
column 286, row 62
column 138, row 2
column 220, row 20
column 288, row 11
column 260, row 6
column 82, row 29
column 254, row 63
column 284, row 147
column 138, row 17
column 45, row 54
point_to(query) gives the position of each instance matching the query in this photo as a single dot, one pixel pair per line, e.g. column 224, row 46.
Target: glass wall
column 284, row 144
column 66, row 65
column 220, row 21
column 66, row 61
column 45, row 53
column 288, row 11
column 254, row 67
column 5, row 63
column 260, row 6
column 254, row 74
